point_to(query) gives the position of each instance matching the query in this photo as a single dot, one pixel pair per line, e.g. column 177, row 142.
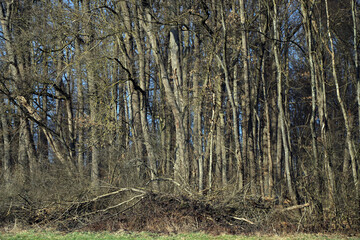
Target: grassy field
column 32, row 235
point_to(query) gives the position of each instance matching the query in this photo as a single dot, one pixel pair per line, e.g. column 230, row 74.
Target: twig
column 299, row 224
column 9, row 210
column 243, row 219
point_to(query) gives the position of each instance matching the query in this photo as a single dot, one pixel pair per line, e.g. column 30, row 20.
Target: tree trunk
column 287, row 157
column 181, row 164
column 23, row 176
column 181, row 173
column 220, row 132
column 31, row 152
column 235, row 112
column 93, row 106
column 309, row 40
column 143, row 105
column 80, row 107
column 197, row 102
column 248, row 120
column 349, row 140
column 314, row 95
column 6, row 159
column 211, row 147
column 268, row 163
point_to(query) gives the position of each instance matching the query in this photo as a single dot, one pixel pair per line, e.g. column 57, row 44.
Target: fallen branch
column 294, row 207
column 243, row 219
column 74, row 206
column 112, row 193
column 141, row 196
column 77, row 217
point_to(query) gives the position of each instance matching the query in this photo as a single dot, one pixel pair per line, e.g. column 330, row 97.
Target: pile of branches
column 133, row 209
